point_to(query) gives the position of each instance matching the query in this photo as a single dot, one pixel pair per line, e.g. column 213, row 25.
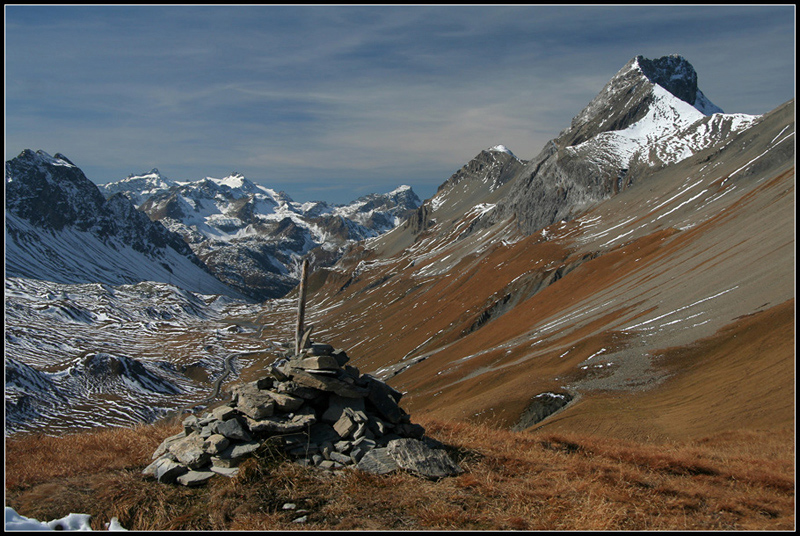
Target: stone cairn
column 321, row 411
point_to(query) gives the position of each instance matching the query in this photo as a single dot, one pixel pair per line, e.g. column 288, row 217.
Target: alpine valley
column 635, row 278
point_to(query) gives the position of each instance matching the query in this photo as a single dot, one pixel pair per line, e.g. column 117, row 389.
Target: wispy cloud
column 310, row 98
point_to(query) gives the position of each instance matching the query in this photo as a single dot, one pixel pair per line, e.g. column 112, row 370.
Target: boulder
column 337, row 404
column 329, row 384
column 234, row 454
column 274, row 425
column 164, row 446
column 346, row 424
column 284, row 401
column 385, row 399
column 223, row 413
column 215, row 444
column 320, row 349
column 165, row 469
column 341, row 357
column 230, row 472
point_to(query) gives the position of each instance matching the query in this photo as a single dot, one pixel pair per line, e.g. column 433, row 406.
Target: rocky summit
column 319, row 410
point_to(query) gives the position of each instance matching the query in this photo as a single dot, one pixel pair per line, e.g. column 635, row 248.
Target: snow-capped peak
column 400, row 189
column 137, row 187
column 234, row 180
column 502, row 149
column 671, row 130
column 40, row 157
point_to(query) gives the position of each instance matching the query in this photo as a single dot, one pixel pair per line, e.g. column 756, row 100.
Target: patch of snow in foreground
column 14, row 521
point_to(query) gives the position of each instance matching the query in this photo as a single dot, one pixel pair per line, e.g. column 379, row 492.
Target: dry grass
column 512, row 481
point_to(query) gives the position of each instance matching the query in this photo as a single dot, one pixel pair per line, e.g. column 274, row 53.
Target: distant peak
column 45, row 158
column 235, row 180
column 400, row 189
column 153, row 172
column 502, row 149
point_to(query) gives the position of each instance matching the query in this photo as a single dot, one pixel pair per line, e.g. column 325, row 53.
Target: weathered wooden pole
column 301, row 310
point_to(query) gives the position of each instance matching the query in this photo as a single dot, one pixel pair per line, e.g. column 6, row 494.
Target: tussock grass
column 512, row 481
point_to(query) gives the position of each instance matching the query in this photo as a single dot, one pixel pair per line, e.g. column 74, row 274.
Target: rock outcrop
column 319, row 410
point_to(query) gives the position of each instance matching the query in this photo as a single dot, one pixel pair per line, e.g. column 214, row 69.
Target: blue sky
column 332, row 102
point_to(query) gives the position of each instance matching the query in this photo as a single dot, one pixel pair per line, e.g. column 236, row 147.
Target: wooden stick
column 304, row 340
column 301, row 309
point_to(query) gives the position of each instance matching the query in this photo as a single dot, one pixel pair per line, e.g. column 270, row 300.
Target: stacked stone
column 322, row 412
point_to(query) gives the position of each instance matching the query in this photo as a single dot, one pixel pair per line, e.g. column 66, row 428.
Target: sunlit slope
column 633, row 299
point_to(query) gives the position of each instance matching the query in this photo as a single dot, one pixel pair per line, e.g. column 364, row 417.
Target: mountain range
column 251, row 236
column 633, row 278
column 243, row 239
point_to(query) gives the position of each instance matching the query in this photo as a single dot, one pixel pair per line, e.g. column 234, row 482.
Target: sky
column 334, row 102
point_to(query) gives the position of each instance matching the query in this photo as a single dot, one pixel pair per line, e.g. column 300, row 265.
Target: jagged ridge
column 251, row 236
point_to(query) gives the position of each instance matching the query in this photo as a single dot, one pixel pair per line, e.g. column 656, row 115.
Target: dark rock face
column 51, row 194
column 674, row 74
column 419, row 221
column 542, row 406
column 552, row 187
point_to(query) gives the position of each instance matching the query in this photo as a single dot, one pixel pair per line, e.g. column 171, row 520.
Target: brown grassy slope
column 742, row 378
column 512, row 481
column 696, row 234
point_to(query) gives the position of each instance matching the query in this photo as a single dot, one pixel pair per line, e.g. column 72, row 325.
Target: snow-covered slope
column 89, row 355
column 59, row 227
column 251, row 236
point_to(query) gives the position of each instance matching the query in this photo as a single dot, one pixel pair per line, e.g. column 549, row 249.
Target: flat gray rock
column 165, row 469
column 415, row 456
column 325, row 383
column 232, row 429
column 189, row 451
column 378, row 461
column 253, row 401
column 195, row 478
column 275, row 425
column 230, row 472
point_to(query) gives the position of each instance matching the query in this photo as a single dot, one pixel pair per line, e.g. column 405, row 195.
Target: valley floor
column 740, row 480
